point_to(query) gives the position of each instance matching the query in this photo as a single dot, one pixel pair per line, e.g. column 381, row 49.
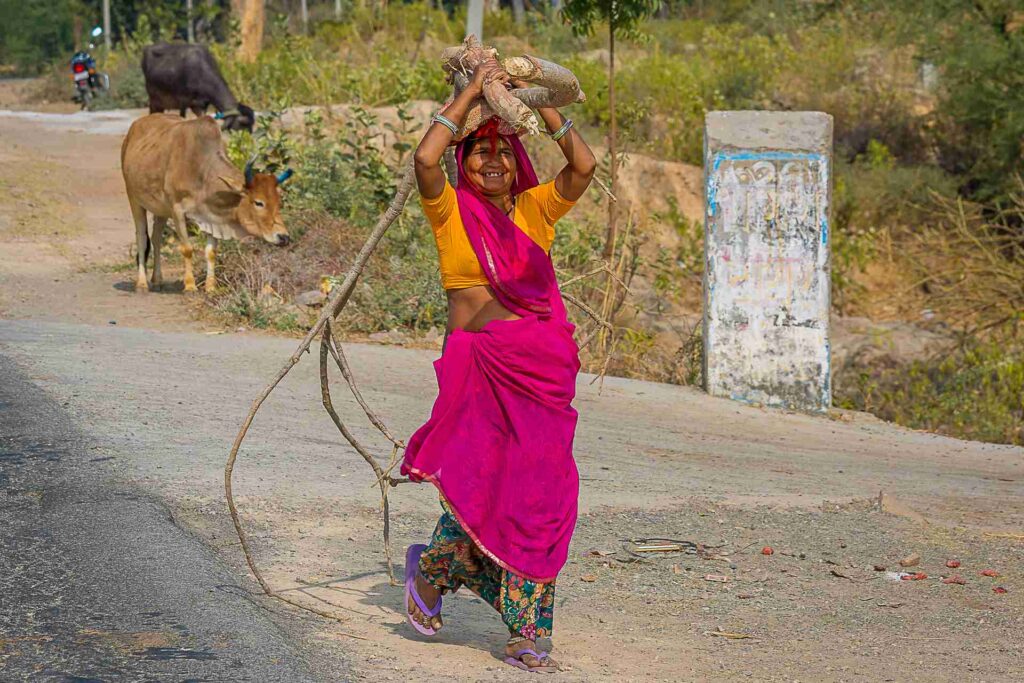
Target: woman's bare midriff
column 471, row 308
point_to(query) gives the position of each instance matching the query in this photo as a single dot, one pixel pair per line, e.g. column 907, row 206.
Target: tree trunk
column 305, row 17
column 252, row 31
column 609, row 244
column 518, row 11
column 189, row 22
column 475, row 19
column 237, row 9
column 337, row 10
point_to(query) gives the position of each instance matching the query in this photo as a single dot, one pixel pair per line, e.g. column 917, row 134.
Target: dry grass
column 971, row 264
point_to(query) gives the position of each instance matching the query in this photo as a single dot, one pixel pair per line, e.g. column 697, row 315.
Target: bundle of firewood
column 551, row 85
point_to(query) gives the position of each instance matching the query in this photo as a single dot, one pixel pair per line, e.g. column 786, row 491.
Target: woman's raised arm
column 430, row 176
column 573, row 180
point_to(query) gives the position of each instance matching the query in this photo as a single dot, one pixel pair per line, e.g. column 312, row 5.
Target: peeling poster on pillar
column 767, row 276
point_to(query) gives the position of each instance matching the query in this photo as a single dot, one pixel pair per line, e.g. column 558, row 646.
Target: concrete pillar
column 766, row 244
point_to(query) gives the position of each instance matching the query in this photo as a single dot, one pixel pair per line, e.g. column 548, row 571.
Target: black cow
column 181, row 77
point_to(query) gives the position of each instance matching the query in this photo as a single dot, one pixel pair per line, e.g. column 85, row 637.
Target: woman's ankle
column 427, row 591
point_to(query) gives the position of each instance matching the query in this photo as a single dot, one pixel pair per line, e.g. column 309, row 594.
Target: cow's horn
column 284, row 175
column 249, row 171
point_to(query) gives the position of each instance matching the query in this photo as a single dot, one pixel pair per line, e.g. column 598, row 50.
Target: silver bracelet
column 560, row 133
column 446, row 122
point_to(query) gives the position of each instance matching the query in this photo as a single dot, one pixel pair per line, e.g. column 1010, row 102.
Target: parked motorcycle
column 88, row 81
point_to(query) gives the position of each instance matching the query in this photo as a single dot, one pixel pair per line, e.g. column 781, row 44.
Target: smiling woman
column 498, row 445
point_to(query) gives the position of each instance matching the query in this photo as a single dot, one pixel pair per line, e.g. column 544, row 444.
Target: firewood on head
column 555, row 86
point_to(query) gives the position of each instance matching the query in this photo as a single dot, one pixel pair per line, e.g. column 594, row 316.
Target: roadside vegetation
column 928, row 214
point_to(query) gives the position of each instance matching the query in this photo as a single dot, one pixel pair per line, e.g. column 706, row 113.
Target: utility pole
column 191, row 33
column 106, row 24
column 475, row 19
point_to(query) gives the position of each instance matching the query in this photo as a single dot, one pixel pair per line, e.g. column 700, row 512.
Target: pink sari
column 498, row 444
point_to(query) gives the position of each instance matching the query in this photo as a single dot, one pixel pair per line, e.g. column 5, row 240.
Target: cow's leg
column 141, row 246
column 211, row 257
column 157, row 243
column 181, row 227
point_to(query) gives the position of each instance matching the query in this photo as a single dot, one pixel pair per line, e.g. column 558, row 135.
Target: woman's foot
column 523, row 654
column 429, row 595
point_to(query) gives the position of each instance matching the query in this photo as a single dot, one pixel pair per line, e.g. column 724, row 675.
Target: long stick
column 383, row 480
column 339, row 297
column 334, row 346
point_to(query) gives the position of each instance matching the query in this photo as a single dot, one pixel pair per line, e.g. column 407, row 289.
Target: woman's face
column 493, row 172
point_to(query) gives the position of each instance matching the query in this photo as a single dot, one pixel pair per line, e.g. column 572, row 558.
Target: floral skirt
column 452, row 560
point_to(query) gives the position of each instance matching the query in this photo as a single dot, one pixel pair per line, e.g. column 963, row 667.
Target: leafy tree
column 623, row 18
column 979, row 50
column 33, row 33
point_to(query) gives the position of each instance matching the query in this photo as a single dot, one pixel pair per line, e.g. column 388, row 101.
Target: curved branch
column 334, row 346
column 335, row 303
column 325, row 394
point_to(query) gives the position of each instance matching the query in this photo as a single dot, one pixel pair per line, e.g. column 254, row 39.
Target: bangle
column 446, row 122
column 560, row 133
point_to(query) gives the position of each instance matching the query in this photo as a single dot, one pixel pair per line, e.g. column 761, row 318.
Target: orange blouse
column 537, row 210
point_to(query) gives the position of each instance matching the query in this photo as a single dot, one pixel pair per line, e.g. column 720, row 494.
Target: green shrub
column 976, row 394
column 876, row 201
column 981, row 105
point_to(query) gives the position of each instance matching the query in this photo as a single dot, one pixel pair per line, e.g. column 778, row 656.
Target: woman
column 498, row 444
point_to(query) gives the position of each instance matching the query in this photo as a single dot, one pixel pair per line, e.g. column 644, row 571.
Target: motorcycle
column 87, row 80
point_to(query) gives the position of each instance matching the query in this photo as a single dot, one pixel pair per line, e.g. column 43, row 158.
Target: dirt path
column 66, row 235
column 160, row 402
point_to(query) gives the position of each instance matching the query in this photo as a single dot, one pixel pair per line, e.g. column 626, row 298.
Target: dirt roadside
column 656, row 461
column 66, row 234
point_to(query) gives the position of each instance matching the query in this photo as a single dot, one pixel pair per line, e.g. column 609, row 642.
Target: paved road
column 97, row 583
column 98, row 418
column 166, row 407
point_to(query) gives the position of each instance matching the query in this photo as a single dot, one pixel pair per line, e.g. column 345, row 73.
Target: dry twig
column 336, row 302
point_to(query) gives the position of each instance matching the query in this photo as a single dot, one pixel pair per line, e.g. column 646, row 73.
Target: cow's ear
column 228, row 199
column 233, row 184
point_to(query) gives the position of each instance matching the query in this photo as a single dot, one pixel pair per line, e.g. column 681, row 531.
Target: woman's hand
column 485, row 73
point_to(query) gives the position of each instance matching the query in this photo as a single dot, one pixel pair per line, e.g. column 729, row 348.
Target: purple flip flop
column 517, row 661
column 412, row 563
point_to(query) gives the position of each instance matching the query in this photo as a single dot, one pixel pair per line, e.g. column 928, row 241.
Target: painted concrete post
column 767, row 197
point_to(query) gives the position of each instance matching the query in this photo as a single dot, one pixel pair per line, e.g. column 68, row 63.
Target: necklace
column 511, row 210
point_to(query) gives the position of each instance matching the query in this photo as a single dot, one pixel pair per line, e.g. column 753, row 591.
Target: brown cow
column 178, row 169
